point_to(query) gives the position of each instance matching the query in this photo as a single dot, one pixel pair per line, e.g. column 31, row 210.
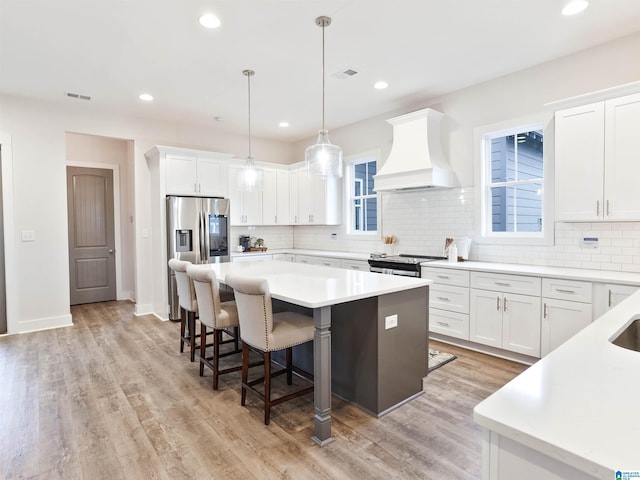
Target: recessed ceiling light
column 575, row 6
column 209, row 21
column 146, row 97
column 283, row 124
column 380, row 85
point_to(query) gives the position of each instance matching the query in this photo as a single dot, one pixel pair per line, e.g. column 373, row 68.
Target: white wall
column 422, row 220
column 37, row 131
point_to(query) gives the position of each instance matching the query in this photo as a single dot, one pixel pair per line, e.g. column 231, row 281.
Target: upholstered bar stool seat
column 221, row 317
column 267, row 332
column 188, row 305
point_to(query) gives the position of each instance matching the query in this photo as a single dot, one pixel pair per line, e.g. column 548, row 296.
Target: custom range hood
column 416, row 160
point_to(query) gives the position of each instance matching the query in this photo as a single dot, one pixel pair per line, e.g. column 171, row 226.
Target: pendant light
column 323, row 158
column 251, row 177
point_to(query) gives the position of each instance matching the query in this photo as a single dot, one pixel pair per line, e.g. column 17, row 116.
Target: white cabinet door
column 270, row 197
column 246, row 207
column 283, row 200
column 521, row 324
column 283, row 257
column 319, row 200
column 485, row 320
column 561, row 320
column 579, row 163
column 622, row 160
column 182, row 176
column 211, row 178
column 294, row 197
column 618, row 293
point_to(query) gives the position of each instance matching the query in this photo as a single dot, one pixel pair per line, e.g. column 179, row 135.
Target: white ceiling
column 113, row 50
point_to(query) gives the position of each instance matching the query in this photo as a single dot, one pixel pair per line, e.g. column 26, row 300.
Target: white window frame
column 483, row 192
column 349, row 162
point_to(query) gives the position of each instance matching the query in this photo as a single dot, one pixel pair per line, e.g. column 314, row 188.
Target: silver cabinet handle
column 444, row 324
column 609, row 297
column 503, row 284
column 498, row 303
column 564, row 291
column 598, row 208
column 504, row 308
column 446, row 277
column 607, row 208
column 444, row 299
column 544, row 315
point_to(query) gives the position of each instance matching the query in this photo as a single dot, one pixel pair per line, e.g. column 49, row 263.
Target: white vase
column 389, row 248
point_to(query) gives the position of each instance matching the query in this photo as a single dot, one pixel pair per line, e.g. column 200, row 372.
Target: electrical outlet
column 28, row 235
column 334, row 236
column 390, row 322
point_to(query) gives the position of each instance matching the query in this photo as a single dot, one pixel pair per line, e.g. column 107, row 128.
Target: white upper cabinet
column 196, row 174
column 596, row 161
column 275, row 197
column 246, row 207
column 319, row 200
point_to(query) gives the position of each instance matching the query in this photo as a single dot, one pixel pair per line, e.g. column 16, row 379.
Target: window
column 362, row 200
column 513, row 183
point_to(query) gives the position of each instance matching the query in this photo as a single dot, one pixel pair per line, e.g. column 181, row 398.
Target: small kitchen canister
column 453, row 253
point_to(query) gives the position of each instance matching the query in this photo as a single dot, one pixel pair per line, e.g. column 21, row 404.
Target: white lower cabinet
column 566, row 309
column 448, row 301
column 502, row 319
column 313, row 260
column 251, row 258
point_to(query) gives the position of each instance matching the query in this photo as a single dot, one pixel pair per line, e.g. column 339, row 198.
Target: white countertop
column 316, row 253
column 316, row 286
column 579, row 404
column 603, row 276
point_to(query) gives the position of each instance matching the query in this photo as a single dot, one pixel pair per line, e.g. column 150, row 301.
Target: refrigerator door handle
column 204, row 257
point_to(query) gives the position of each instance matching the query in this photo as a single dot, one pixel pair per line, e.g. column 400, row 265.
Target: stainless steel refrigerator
column 198, row 232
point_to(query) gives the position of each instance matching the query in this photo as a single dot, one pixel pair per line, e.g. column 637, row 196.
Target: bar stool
column 219, row 316
column 267, row 332
column 188, row 305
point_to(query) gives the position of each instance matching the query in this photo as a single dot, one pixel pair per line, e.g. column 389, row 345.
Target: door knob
column 111, row 251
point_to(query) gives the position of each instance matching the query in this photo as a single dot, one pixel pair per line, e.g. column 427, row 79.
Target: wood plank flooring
column 112, row 398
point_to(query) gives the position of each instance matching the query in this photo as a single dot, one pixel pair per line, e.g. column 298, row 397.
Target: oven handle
column 391, row 271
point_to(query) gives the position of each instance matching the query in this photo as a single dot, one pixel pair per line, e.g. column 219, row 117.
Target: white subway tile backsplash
column 423, row 219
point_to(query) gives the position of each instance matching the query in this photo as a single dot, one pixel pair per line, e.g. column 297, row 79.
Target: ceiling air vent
column 77, row 96
column 344, row 74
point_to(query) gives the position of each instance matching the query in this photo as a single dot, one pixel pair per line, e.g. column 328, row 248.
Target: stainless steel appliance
column 197, row 231
column 406, row 265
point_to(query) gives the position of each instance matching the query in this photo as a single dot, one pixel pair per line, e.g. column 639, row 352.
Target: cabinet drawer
column 506, row 283
column 446, row 276
column 566, row 290
column 360, row 265
column 449, row 323
column 447, row 297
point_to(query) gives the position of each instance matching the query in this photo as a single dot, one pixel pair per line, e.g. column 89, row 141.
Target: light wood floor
column 111, row 397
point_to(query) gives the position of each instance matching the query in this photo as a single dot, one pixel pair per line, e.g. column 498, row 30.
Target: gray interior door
column 92, row 265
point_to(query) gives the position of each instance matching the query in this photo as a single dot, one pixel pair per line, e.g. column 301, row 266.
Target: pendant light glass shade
column 250, row 178
column 323, row 158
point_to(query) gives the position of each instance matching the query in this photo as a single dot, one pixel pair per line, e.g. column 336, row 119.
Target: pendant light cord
column 323, row 75
column 249, row 104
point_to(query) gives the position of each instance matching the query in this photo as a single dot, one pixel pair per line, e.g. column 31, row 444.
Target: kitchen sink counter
column 573, row 414
column 604, row 276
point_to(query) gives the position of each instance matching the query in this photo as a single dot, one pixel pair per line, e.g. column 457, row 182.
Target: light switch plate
column 390, row 322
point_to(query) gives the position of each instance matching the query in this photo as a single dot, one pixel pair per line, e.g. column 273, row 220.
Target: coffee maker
column 244, row 242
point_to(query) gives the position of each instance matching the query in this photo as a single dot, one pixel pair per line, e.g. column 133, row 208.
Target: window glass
column 515, row 166
column 363, row 202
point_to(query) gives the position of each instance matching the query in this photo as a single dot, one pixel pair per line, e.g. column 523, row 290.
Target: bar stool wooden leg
column 245, row 373
column 183, row 324
column 217, row 338
column 267, row 387
column 289, row 353
column 203, row 347
column 192, row 334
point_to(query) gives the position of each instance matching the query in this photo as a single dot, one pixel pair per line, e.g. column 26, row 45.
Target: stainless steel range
column 406, row 265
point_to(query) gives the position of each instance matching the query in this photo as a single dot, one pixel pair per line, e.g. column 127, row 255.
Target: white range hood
column 416, row 160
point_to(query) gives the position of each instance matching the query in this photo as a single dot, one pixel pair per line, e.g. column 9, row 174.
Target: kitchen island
column 572, row 415
column 373, row 328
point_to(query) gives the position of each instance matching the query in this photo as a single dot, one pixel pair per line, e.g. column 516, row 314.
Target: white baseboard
column 38, row 324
